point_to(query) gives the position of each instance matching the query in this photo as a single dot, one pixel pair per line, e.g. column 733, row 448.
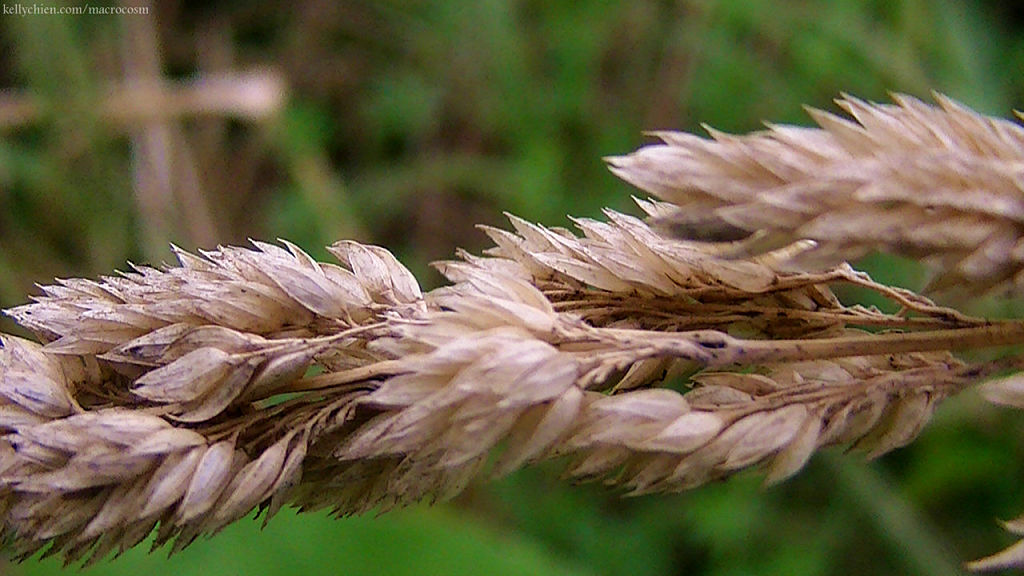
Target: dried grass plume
column 653, row 356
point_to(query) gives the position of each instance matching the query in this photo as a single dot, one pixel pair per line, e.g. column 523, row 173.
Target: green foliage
column 403, row 543
column 408, row 123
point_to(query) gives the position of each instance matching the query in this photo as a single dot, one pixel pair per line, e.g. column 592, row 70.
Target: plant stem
column 333, row 379
column 713, row 348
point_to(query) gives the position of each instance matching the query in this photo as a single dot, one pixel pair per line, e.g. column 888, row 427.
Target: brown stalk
column 376, row 371
column 718, row 349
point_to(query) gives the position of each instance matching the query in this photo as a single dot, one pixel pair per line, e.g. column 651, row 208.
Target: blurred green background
column 404, row 123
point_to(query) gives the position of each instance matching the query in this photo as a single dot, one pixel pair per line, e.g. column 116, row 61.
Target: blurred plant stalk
column 253, row 95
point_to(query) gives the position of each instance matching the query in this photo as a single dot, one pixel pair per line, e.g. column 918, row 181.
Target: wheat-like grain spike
column 939, row 183
column 178, row 399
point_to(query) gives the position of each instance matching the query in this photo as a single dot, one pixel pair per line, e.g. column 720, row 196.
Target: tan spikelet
column 940, row 183
column 269, row 291
column 660, row 440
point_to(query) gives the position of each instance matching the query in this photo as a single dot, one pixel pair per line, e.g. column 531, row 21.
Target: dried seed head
column 156, row 401
column 99, row 481
column 266, row 291
column 940, row 183
column 455, row 403
column 660, row 440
